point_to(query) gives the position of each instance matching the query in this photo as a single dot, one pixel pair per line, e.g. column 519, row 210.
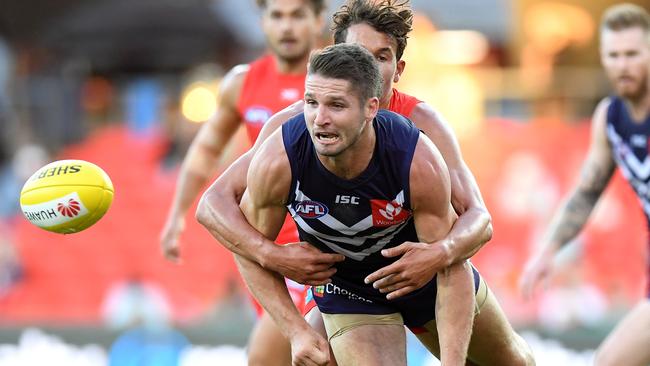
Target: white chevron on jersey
column 359, row 255
column 624, row 152
column 331, row 222
column 635, row 172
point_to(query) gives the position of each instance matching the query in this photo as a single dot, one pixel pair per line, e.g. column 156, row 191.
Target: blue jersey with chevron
column 629, row 143
column 356, row 217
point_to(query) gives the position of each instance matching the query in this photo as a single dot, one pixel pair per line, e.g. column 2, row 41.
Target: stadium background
column 126, row 84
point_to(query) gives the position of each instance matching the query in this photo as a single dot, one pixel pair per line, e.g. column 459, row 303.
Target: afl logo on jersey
column 257, row 114
column 310, row 209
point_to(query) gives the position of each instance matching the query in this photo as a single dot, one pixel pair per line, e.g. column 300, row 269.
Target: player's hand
column 169, row 244
column 303, row 263
column 417, row 266
column 308, row 348
column 537, row 270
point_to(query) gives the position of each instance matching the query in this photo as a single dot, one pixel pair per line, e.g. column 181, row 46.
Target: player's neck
column 639, row 108
column 297, row 66
column 384, row 102
column 355, row 159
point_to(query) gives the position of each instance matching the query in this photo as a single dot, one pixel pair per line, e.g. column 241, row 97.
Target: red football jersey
column 265, row 92
column 402, row 104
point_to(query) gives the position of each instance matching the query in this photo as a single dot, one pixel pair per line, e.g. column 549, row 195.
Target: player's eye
column 299, row 14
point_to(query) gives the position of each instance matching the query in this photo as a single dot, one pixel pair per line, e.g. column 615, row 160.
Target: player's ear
column 372, row 106
column 401, row 64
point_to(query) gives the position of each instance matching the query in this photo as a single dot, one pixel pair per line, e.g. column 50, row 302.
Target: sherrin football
column 66, row 196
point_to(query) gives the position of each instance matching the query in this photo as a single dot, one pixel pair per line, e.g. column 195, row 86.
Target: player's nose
column 321, row 116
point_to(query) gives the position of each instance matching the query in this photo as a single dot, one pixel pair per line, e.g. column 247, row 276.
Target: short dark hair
column 394, row 18
column 317, row 5
column 624, row 16
column 349, row 62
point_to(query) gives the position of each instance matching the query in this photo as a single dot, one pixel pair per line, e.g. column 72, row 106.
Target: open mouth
column 326, row 137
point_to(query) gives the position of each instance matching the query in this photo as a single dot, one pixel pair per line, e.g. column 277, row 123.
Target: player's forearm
column 575, row 211
column 219, row 212
column 570, row 219
column 188, row 187
column 271, row 291
column 197, row 169
column 455, row 303
column 471, row 230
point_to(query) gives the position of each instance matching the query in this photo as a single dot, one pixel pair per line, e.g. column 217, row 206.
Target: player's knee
column 524, row 358
column 256, row 360
column 264, row 353
column 522, row 354
column 527, row 358
column 268, row 359
column 606, row 359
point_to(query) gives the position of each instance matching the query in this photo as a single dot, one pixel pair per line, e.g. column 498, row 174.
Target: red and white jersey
column 265, row 92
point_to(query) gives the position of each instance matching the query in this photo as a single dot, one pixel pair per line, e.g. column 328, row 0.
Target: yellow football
column 66, row 196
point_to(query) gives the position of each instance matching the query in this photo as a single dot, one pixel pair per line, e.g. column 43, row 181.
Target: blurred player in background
column 620, row 135
column 250, row 94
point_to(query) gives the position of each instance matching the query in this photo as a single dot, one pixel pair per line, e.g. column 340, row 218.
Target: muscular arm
column 200, row 163
column 571, row 217
column 434, row 217
column 263, row 206
column 474, row 225
column 219, row 212
column 468, row 234
column 597, row 171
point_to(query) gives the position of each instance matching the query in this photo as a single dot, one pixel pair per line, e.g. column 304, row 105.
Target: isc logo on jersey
column 310, row 209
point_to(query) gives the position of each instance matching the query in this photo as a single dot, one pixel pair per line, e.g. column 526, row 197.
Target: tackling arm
column 263, row 205
column 219, row 212
column 434, row 217
column 468, row 234
column 474, row 225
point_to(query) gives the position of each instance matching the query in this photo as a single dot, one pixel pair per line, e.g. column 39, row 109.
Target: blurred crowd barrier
column 36, row 347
